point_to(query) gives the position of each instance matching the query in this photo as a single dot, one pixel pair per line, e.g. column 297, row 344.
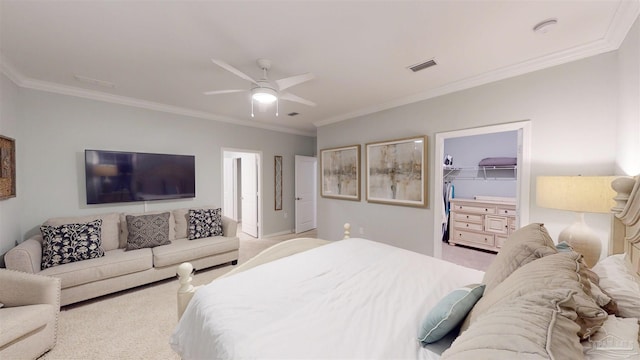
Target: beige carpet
column 132, row 324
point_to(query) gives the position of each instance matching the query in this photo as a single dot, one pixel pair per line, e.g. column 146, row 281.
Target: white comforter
column 349, row 299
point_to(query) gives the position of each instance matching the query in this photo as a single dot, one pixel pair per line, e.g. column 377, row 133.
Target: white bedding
column 352, row 298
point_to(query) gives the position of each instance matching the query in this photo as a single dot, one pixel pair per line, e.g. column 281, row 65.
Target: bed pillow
column 616, row 339
column 147, row 231
column 526, row 244
column 558, row 271
column 70, row 243
column 621, row 283
column 449, row 313
column 205, row 223
column 538, row 324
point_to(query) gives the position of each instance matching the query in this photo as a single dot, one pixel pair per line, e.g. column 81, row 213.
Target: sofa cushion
column 182, row 250
column 21, row 320
column 205, row 223
column 114, row 263
column 147, row 231
column 70, row 243
column 124, row 232
column 109, row 232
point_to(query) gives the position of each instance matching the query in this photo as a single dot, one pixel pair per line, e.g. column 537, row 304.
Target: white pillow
column 622, row 283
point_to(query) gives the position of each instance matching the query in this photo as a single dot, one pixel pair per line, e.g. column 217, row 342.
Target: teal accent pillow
column 449, row 312
column 563, row 247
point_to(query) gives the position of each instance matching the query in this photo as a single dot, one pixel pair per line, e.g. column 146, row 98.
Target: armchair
column 29, row 315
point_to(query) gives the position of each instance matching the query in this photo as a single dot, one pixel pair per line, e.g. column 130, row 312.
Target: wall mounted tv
column 114, row 176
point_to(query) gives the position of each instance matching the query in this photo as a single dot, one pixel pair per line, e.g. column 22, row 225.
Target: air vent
column 422, row 65
column 293, row 113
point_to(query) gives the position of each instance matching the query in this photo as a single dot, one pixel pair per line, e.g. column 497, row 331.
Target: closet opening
column 481, row 191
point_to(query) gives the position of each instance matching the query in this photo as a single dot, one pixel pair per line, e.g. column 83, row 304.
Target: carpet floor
column 135, row 323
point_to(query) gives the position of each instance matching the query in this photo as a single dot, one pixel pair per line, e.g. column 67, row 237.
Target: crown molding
column 22, row 81
column 623, row 20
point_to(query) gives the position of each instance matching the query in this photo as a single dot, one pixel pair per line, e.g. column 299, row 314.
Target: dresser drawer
column 475, row 209
column 506, row 211
column 468, row 226
column 500, row 240
column 468, row 217
column 496, row 224
column 512, row 225
column 474, row 238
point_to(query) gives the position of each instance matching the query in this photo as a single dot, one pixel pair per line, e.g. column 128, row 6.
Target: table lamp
column 580, row 194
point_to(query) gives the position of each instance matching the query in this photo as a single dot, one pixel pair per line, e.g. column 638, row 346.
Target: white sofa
column 121, row 269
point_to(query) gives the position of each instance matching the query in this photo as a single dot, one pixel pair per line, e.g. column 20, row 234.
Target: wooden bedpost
column 186, row 290
column 347, row 231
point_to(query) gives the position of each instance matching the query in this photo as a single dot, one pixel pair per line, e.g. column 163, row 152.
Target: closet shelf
column 490, row 172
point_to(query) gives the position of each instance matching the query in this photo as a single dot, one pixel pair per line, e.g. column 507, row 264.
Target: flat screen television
column 115, row 176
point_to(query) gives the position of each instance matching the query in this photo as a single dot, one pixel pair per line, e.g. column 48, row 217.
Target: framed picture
column 396, row 172
column 277, row 163
column 340, row 173
column 7, row 167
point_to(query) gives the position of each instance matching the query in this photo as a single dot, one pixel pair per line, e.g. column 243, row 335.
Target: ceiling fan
column 264, row 91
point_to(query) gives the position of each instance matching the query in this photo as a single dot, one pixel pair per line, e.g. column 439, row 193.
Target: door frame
column 259, row 159
column 523, row 179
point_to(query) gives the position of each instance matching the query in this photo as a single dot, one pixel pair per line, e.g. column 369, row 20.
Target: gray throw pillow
column 70, row 243
column 147, row 231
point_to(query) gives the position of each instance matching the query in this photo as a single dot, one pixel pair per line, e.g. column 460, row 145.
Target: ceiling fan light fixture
column 264, row 95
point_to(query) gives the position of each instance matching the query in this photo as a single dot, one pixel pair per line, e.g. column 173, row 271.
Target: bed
column 359, row 299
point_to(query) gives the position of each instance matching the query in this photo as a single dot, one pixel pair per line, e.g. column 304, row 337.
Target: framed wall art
column 7, row 167
column 397, row 172
column 277, row 163
column 340, row 173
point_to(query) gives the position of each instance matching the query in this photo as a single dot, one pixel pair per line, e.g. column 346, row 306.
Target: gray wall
column 468, row 151
column 55, row 129
column 573, row 109
column 10, row 208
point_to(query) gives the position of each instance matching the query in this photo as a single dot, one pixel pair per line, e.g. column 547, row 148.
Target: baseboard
column 286, row 232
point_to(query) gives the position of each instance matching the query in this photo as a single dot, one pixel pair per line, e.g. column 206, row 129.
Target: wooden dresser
column 481, row 224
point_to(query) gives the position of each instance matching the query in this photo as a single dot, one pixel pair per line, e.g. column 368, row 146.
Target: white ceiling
column 158, row 53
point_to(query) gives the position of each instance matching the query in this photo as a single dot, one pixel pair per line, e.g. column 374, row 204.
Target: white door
column 249, row 194
column 306, row 184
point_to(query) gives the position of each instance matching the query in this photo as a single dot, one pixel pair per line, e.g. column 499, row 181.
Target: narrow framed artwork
column 396, row 172
column 7, row 167
column 340, row 173
column 278, row 181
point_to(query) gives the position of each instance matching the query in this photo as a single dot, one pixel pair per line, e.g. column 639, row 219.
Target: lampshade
column 264, row 95
column 579, row 194
column 592, row 194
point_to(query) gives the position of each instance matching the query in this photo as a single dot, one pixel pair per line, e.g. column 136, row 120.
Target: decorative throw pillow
column 70, row 243
column 527, row 244
column 537, row 325
column 557, row 271
column 147, row 231
column 205, row 223
column 449, row 313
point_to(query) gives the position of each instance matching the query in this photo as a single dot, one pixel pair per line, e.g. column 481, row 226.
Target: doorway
column 306, row 178
column 242, row 189
column 523, row 129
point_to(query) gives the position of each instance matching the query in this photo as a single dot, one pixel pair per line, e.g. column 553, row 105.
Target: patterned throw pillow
column 205, row 223
column 71, row 242
column 147, row 231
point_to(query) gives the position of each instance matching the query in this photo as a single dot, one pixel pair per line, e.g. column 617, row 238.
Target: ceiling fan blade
column 216, row 92
column 294, row 80
column 233, row 70
column 298, row 99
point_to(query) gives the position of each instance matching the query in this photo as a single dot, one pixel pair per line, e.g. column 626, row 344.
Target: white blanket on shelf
column 349, row 299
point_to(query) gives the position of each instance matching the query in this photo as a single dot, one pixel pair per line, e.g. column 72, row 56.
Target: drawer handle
column 467, row 225
column 467, row 216
column 486, row 209
column 506, row 211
